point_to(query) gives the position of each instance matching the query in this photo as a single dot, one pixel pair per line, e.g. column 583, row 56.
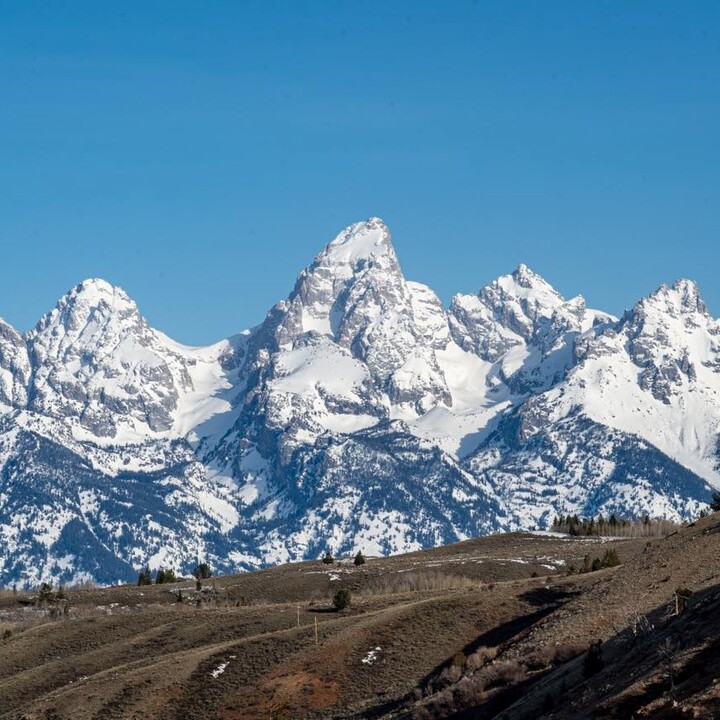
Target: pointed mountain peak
column 523, row 273
column 96, row 294
column 361, row 257
column 360, row 242
column 96, row 291
column 689, row 294
column 7, row 330
column 683, row 296
column 525, row 285
column 88, row 307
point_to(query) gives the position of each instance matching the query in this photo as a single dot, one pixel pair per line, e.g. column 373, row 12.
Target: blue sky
column 200, row 154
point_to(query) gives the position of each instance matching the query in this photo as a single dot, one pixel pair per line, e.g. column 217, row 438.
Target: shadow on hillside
column 494, row 637
column 696, row 628
column 544, row 596
column 691, row 629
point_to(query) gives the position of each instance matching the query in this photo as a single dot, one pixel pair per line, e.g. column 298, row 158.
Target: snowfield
column 359, row 415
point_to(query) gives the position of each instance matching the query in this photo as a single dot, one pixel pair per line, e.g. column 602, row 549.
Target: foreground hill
column 464, row 630
column 360, row 414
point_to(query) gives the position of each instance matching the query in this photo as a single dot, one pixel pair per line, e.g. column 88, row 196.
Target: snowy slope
column 360, row 414
column 654, row 374
column 14, row 368
column 97, row 364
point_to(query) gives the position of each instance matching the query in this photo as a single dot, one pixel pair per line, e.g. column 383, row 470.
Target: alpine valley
column 360, row 414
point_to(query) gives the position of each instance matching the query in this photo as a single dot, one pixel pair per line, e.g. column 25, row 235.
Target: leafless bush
column 502, row 674
column 567, row 652
column 481, row 657
column 467, row 692
column 422, row 714
column 416, row 581
column 668, row 652
column 450, row 675
column 82, row 585
column 614, row 526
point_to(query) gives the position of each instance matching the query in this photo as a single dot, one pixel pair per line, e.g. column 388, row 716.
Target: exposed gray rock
column 358, row 415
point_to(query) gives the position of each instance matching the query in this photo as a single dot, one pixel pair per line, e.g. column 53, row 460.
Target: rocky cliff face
column 359, row 415
column 14, row 367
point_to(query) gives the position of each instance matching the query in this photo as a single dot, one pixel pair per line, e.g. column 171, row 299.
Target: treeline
column 613, row 526
column 167, row 575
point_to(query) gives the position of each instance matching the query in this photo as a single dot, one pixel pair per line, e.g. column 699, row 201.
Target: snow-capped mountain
column 360, row 414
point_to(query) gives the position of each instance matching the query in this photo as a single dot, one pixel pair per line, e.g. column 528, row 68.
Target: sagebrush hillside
column 493, row 627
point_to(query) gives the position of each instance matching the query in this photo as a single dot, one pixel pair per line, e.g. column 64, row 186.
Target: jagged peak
column 359, row 242
column 523, row 273
column 689, row 292
column 524, row 285
column 7, row 328
column 92, row 298
column 683, row 296
column 97, row 290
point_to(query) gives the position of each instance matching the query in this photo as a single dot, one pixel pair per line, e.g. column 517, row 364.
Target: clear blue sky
column 200, row 154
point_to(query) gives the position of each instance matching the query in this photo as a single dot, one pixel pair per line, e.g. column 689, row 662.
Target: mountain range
column 360, row 414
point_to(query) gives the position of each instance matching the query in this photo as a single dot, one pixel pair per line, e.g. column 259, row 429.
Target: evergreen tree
column 145, row 576
column 342, row 599
column 45, row 593
column 715, row 501
column 359, row 558
column 165, row 576
column 202, row 571
column 328, row 559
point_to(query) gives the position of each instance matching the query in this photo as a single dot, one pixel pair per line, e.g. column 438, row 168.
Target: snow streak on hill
column 359, row 415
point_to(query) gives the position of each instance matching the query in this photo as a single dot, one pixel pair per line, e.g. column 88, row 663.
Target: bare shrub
column 450, row 675
column 82, row 585
column 467, row 693
column 422, row 714
column 442, row 704
column 567, row 652
column 535, row 661
column 481, row 657
column 503, row 674
column 417, row 581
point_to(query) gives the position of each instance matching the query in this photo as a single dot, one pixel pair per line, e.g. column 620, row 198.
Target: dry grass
column 457, row 627
column 417, row 581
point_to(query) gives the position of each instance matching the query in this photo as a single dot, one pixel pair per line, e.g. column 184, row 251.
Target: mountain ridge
column 359, row 414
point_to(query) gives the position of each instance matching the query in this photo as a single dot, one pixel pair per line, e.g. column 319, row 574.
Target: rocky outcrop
column 360, row 414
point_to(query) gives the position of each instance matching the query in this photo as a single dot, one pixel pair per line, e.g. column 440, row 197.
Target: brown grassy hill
column 465, row 629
